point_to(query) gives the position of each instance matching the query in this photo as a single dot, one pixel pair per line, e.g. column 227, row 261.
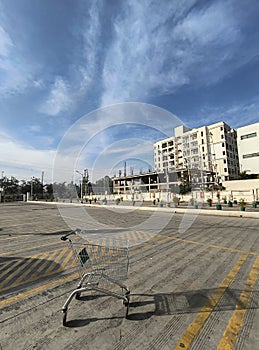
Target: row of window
column 248, row 136
column 251, row 155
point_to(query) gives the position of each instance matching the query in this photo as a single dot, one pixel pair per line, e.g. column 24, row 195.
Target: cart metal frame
column 102, row 261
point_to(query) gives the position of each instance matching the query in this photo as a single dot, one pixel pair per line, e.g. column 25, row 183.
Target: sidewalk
column 203, row 208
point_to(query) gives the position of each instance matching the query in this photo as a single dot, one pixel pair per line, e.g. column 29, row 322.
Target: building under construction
column 148, row 182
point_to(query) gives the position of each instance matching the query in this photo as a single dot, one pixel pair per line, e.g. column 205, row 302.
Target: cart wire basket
column 107, row 260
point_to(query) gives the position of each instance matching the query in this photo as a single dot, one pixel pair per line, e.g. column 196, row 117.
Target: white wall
column 248, row 146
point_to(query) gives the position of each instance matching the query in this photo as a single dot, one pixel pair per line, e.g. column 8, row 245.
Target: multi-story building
column 207, row 154
column 248, row 148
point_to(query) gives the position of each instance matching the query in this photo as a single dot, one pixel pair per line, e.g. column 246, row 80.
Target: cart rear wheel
column 64, row 318
column 127, row 309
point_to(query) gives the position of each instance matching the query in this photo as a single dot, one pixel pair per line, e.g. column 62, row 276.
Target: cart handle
column 65, row 237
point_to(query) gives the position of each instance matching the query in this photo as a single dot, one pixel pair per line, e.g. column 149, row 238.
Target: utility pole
column 32, row 179
column 42, row 177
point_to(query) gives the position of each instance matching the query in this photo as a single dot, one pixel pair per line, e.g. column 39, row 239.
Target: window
column 224, row 153
column 202, row 148
column 225, row 161
column 202, row 141
column 248, row 136
column 223, row 144
column 201, row 133
column 222, row 136
column 251, row 155
column 225, row 170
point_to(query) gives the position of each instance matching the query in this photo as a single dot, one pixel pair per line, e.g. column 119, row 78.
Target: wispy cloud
column 236, row 115
column 59, row 99
column 14, row 72
column 5, row 43
column 175, row 45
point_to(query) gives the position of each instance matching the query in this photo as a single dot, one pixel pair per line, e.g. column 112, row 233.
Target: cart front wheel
column 64, row 318
column 126, row 304
column 78, row 294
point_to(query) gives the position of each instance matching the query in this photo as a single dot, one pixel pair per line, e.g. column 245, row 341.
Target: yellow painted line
column 37, row 290
column 35, row 264
column 6, row 271
column 46, row 262
column 33, row 261
column 196, row 326
column 15, row 251
column 36, row 275
column 37, row 278
column 214, row 246
column 66, row 260
column 229, row 338
column 56, row 260
column 20, row 296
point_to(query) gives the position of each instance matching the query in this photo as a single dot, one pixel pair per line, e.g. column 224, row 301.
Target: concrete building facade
column 248, row 148
column 207, row 154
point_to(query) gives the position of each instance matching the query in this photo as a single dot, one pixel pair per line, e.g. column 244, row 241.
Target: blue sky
column 62, row 60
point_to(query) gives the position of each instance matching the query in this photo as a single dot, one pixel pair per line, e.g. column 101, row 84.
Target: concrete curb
column 199, row 211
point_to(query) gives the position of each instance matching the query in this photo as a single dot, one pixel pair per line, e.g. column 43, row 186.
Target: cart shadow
column 160, row 304
column 76, row 323
column 56, row 233
column 91, row 297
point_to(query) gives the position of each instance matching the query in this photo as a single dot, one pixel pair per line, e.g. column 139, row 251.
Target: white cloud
column 157, row 49
column 21, row 160
column 210, row 26
column 15, row 72
column 236, row 115
column 59, row 99
column 91, row 35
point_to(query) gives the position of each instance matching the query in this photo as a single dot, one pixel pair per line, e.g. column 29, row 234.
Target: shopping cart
column 106, row 260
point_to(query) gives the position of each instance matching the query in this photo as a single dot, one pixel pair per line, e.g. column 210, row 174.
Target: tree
column 34, row 186
column 243, row 175
column 103, row 185
column 185, row 185
column 9, row 186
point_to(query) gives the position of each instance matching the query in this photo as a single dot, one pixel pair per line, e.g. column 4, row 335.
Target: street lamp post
column 81, row 184
column 167, row 185
column 83, row 181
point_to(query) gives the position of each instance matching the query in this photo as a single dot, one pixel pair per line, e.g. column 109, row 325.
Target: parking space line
column 233, row 250
column 235, row 323
column 15, row 251
column 9, row 267
column 196, row 326
column 37, row 290
column 33, row 261
column 57, row 260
